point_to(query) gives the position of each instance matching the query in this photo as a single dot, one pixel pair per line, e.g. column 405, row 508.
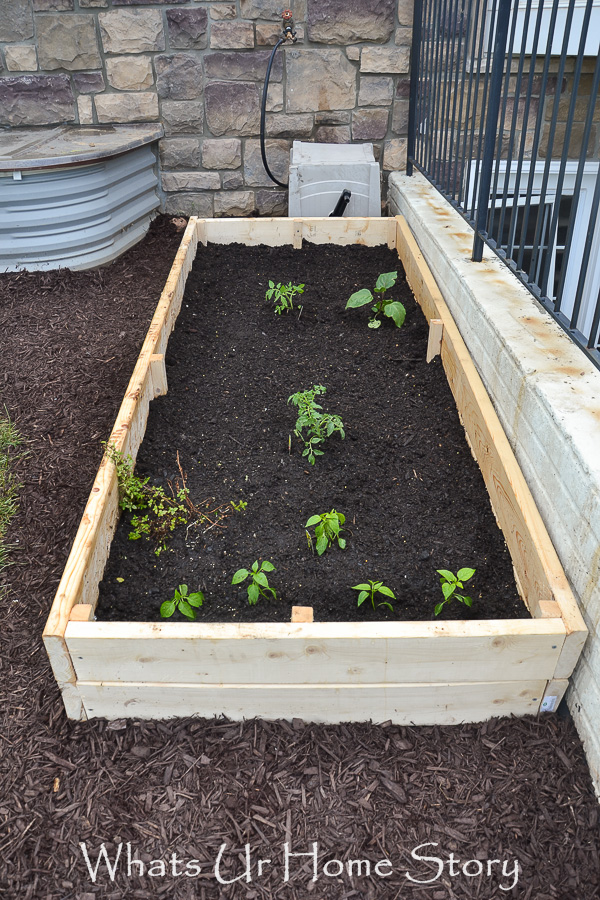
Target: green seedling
column 319, row 425
column 259, row 583
column 327, row 530
column 161, row 512
column 239, row 507
column 450, row 583
column 384, row 305
column 369, row 590
column 283, row 296
column 182, row 601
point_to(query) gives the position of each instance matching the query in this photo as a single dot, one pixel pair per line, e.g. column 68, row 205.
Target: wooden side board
column 539, row 572
column 409, row 672
column 316, row 653
column 403, row 704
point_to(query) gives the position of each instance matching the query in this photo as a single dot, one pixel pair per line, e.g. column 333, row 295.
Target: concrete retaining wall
column 547, row 395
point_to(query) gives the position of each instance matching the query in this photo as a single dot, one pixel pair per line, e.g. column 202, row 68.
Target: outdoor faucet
column 288, row 26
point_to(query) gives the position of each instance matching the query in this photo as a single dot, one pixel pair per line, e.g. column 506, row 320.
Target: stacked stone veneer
column 198, row 68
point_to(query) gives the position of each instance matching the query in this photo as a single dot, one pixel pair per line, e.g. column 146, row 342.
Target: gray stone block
column 127, row 107
column 49, row 5
column 375, row 90
column 178, row 76
column 369, row 124
column 400, row 116
column 187, row 29
column 222, row 154
column 234, row 203
column 333, row 134
column 272, row 203
column 232, row 181
column 179, row 153
column 16, row 20
column 394, row 155
column 332, row 118
column 278, row 158
column 182, row 116
column 239, row 66
column 131, row 30
column 405, row 12
column 20, row 58
column 199, row 204
column 93, row 4
column 145, row 2
column 345, row 21
column 262, row 9
column 232, row 107
column 191, row 181
column 232, row 36
column 67, row 42
column 225, row 11
column 88, row 82
column 293, row 126
column 36, row 100
column 319, row 80
column 391, row 60
column 129, row 73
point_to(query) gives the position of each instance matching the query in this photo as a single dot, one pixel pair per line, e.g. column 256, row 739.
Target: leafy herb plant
column 283, row 296
column 450, row 584
column 182, row 601
column 370, row 589
column 318, row 425
column 327, row 530
column 383, row 305
column 239, row 507
column 161, row 512
column 259, row 583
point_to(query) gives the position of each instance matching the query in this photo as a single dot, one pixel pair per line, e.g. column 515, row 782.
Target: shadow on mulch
column 175, row 792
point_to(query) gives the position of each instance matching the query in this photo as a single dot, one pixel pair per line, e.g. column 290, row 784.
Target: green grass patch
column 10, row 442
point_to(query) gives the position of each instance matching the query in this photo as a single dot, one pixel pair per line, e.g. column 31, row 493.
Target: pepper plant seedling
column 450, row 582
column 369, row 590
column 384, row 305
column 327, row 530
column 259, row 583
column 183, row 601
column 319, row 425
column 283, row 296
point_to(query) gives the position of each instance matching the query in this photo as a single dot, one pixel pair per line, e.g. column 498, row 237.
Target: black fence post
column 415, row 53
column 491, row 125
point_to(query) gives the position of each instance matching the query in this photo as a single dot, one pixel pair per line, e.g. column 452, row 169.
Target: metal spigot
column 288, row 26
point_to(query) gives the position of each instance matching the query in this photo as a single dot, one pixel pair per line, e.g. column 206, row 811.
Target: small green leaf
column 183, row 589
column 468, row 601
column 167, row 608
column 239, row 576
column 252, row 593
column 465, row 574
column 386, row 591
column 374, row 323
column 261, row 578
column 341, row 543
column 362, row 597
column 438, row 608
column 361, row 587
column 322, row 545
column 386, row 281
column 120, row 580
column 255, row 566
column 314, row 520
column 196, row 599
column 449, row 576
column 268, row 566
column 186, row 609
column 389, row 605
column 359, row 298
column 396, row 312
column 448, row 590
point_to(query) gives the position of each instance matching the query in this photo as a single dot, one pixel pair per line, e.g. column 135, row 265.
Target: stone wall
column 198, row 67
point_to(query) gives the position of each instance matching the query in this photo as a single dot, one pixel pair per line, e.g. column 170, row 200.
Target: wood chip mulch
column 169, row 799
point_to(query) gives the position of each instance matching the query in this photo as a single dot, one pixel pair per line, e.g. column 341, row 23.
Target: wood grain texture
column 320, row 652
column 434, row 340
column 404, row 704
column 540, row 573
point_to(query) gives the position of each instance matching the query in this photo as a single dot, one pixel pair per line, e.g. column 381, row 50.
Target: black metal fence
column 504, row 120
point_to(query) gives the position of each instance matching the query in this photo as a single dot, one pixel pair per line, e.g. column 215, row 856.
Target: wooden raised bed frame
column 407, row 672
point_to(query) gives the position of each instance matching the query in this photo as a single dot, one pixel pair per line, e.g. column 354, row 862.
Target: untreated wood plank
column 82, row 612
column 302, row 614
column 555, row 691
column 321, row 652
column 539, row 570
column 424, row 704
column 158, row 372
column 269, row 231
column 434, row 340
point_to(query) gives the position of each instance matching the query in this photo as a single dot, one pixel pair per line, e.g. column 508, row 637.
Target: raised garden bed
column 421, row 672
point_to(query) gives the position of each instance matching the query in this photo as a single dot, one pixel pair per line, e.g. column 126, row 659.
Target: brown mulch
column 508, row 790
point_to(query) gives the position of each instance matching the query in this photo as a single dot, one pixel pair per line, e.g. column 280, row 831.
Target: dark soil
column 404, row 477
column 506, row 789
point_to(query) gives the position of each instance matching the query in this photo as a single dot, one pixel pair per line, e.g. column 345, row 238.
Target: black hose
column 263, row 110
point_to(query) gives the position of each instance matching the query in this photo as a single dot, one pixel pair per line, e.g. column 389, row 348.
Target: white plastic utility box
column 320, row 172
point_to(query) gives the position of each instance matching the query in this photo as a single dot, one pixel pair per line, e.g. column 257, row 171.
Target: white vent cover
column 320, row 172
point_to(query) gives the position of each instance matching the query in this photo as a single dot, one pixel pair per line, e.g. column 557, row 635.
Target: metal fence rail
column 504, row 120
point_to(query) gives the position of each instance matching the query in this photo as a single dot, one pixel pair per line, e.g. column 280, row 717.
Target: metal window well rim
column 419, row 672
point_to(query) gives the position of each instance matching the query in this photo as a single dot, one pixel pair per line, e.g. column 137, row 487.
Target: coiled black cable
column 263, row 110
